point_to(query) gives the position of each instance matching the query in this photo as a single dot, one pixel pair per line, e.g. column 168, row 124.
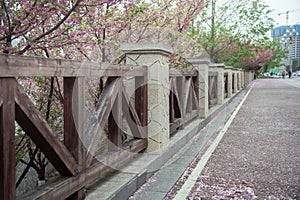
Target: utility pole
column 212, row 28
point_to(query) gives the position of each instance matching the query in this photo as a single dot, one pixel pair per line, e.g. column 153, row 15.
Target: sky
column 281, row 6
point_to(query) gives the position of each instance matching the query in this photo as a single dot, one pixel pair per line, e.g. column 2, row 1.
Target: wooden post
column 225, row 85
column 7, row 139
column 74, row 124
column 180, row 89
column 171, row 103
column 114, row 121
column 141, row 101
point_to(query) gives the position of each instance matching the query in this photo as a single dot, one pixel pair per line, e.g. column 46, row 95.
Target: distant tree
column 237, row 30
column 279, row 53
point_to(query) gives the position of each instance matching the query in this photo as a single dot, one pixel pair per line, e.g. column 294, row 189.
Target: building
column 289, row 36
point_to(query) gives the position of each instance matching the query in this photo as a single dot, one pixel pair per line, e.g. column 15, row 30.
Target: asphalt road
column 259, row 155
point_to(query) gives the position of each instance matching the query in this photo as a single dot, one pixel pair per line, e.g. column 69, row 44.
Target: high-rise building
column 289, row 36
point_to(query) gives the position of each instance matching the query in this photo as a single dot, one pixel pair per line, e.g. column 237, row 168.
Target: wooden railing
column 74, row 157
column 118, row 121
column 184, row 97
column 212, row 88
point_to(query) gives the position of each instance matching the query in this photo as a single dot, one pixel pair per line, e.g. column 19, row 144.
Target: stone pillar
column 229, row 85
column 219, row 67
column 156, row 57
column 235, row 89
column 240, row 79
column 202, row 66
column 249, row 76
column 233, row 81
column 246, row 75
column 252, row 76
column 237, row 79
column 220, row 84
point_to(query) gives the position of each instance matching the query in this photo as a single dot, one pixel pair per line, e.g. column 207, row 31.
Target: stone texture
column 235, row 86
column 220, row 69
column 229, row 71
column 202, row 66
column 155, row 56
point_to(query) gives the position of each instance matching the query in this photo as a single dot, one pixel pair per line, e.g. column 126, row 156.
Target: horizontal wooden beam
column 15, row 65
column 64, row 187
column 182, row 121
column 33, row 123
column 174, row 125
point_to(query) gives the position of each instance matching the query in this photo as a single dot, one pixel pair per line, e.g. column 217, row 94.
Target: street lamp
column 288, row 39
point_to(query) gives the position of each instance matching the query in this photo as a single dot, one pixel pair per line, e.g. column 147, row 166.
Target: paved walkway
column 257, row 158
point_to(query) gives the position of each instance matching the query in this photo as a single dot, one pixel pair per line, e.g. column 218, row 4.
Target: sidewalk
column 258, row 157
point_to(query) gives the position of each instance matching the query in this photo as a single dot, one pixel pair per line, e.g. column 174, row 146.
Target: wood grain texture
column 7, row 139
column 13, row 65
column 34, row 124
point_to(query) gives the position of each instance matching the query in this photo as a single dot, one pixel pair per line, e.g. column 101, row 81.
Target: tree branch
column 52, row 29
column 27, row 168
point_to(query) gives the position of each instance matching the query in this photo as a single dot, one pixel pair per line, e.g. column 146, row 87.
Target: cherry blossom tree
column 28, row 25
column 168, row 22
column 34, row 28
column 85, row 30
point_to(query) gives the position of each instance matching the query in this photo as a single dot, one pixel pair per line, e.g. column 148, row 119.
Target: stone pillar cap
column 146, row 48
